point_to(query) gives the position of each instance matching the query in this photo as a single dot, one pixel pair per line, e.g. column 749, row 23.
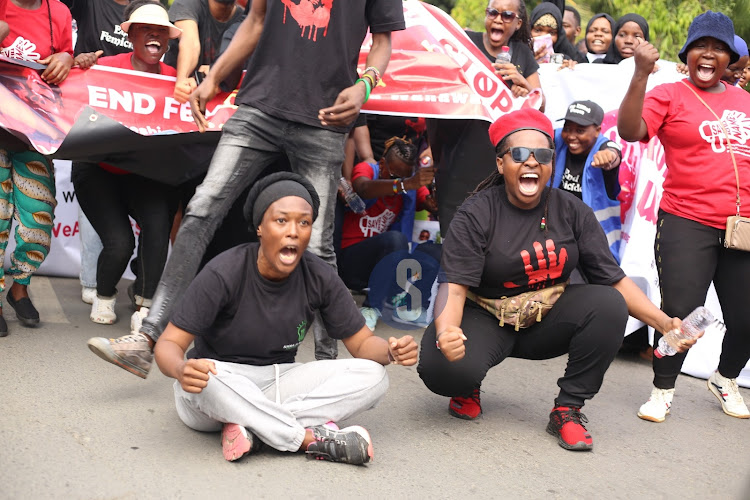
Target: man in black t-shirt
column 299, row 98
column 98, row 24
column 203, row 23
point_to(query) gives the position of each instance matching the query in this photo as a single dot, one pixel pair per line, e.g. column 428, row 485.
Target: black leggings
column 587, row 322
column 108, row 199
column 689, row 255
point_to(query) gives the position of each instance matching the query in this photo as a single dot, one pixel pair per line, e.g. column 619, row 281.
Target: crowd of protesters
column 529, row 215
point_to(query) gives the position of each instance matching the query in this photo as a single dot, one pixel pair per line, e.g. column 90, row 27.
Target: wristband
column 369, row 77
column 395, row 186
column 368, row 88
column 375, row 72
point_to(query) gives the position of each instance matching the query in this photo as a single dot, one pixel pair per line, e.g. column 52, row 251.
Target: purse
column 737, row 235
column 522, row 310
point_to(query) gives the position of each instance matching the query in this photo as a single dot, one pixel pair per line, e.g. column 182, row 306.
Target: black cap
column 585, row 113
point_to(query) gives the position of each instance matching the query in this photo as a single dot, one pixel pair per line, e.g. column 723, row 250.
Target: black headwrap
column 274, row 187
column 612, row 25
column 562, row 45
column 613, row 55
column 560, row 4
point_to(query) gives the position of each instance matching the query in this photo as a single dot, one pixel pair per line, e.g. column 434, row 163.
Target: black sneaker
column 3, row 327
column 25, row 310
column 350, row 445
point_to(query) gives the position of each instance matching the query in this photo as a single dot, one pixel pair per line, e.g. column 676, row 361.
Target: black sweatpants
column 689, row 255
column 587, row 322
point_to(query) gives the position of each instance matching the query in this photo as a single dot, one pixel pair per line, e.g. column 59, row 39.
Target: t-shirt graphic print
column 311, row 15
column 737, row 125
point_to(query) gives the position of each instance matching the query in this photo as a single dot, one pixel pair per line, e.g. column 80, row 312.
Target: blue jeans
column 251, row 140
column 358, row 260
column 91, row 247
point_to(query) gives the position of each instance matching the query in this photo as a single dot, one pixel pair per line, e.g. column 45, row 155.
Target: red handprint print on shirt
column 547, row 269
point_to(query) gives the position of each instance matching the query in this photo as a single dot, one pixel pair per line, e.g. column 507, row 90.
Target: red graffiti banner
column 435, row 71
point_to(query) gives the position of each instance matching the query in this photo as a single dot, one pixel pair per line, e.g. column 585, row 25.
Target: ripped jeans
column 251, row 140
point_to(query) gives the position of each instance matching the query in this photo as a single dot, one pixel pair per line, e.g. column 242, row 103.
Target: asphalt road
column 73, row 426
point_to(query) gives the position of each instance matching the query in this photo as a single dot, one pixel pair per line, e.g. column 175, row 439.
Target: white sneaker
column 103, row 310
column 728, row 394
column 137, row 319
column 658, row 405
column 88, row 294
column 371, row 316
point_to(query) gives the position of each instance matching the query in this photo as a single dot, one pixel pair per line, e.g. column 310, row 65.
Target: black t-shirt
column 303, row 60
column 520, row 54
column 210, row 31
column 240, row 317
column 573, row 175
column 99, row 26
column 500, row 250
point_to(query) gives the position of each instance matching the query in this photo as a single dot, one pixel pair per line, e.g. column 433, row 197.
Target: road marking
column 45, row 301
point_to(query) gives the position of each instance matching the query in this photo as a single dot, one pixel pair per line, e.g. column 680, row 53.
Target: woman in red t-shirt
column 700, row 192
column 109, row 196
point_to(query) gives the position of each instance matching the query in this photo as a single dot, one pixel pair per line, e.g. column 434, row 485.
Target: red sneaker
column 567, row 424
column 467, row 408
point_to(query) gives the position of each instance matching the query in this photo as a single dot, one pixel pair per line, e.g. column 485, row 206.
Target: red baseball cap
column 522, row 119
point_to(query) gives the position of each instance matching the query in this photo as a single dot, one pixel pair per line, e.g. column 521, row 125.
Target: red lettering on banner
column 67, row 231
column 648, row 204
column 484, row 85
column 503, row 102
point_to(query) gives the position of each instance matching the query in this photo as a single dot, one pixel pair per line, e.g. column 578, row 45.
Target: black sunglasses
column 506, row 15
column 519, row 154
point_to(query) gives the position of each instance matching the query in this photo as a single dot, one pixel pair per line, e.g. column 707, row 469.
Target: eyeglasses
column 506, row 16
column 542, row 155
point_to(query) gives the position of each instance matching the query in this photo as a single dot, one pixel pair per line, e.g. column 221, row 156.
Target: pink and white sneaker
column 236, row 442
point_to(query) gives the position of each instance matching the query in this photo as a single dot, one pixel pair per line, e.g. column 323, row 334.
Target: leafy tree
column 669, row 19
column 470, row 14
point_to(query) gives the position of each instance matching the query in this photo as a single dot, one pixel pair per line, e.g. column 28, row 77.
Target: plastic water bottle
column 504, row 56
column 351, row 197
column 695, row 322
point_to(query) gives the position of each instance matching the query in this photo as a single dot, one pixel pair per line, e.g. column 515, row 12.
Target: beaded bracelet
column 371, row 78
column 375, row 71
column 368, row 88
column 403, row 189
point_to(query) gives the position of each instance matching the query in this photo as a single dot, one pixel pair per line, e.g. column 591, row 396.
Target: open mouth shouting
column 496, row 36
column 288, row 254
column 705, row 72
column 153, row 47
column 529, row 184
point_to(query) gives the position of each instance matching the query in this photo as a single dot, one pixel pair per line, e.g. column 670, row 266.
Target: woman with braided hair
column 388, row 188
column 515, row 235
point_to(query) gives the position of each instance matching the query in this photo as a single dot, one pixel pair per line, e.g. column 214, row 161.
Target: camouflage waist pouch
column 521, row 310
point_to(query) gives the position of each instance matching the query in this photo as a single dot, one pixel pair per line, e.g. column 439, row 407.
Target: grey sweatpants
column 278, row 402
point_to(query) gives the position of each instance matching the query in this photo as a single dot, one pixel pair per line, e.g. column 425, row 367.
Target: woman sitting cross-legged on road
column 516, row 235
column 248, row 311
